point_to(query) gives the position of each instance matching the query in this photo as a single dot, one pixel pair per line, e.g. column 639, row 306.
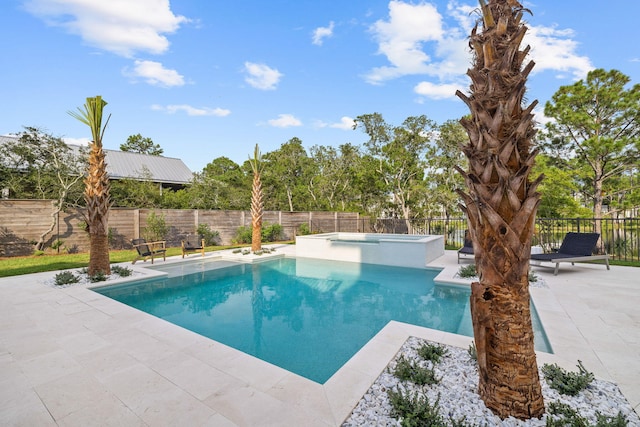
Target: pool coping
column 110, row 349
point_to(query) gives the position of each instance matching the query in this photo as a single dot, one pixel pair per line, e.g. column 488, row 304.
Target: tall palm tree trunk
column 96, row 190
column 96, row 195
column 256, row 213
column 257, row 205
column 501, row 205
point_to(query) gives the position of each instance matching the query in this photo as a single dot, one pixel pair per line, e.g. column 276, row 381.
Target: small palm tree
column 96, row 192
column 257, row 205
column 501, row 205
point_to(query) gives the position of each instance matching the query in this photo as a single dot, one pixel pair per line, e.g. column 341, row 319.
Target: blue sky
column 209, row 78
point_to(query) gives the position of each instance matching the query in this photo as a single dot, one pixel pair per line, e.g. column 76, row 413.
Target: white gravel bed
column 456, row 390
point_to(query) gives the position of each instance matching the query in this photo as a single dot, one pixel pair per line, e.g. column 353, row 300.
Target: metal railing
column 620, row 237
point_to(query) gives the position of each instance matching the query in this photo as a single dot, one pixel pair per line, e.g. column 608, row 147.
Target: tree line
column 589, row 155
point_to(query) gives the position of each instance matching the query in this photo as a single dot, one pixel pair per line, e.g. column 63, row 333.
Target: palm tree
column 501, row 204
column 257, row 205
column 96, row 191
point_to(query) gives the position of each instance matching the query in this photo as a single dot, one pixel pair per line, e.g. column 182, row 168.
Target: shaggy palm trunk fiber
column 256, row 213
column 96, row 195
column 501, row 205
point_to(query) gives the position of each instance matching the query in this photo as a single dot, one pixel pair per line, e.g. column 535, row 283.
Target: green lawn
column 15, row 266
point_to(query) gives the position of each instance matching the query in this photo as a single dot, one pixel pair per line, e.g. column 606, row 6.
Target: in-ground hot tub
column 401, row 250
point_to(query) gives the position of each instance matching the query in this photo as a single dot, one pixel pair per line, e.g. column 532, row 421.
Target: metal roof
column 123, row 164
column 127, row 165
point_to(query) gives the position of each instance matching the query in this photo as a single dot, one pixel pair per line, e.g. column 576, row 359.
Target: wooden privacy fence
column 23, row 221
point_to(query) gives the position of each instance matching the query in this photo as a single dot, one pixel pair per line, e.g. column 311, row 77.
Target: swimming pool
column 305, row 315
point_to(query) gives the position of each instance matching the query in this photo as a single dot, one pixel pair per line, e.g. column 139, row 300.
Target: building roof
column 168, row 170
column 127, row 165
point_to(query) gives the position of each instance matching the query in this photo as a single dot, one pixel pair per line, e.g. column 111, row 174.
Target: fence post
column 136, row 223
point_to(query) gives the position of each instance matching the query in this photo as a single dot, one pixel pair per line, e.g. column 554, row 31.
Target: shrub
column 414, row 410
column 98, row 277
column 562, row 415
column 210, row 236
column 156, row 228
column 432, row 352
column 407, row 370
column 66, row 278
column 467, row 271
column 569, row 383
column 121, row 271
column 619, row 420
column 473, row 352
column 57, row 244
column 304, row 229
column 243, row 235
column 73, row 249
column 271, row 232
column 264, row 251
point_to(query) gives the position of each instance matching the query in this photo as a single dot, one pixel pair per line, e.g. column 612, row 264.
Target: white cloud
column 466, row 15
column 401, row 39
column 346, row 123
column 415, row 41
column 155, row 74
column 553, row 49
column 119, row 26
column 192, row 111
column 320, row 33
column 262, row 76
column 437, row 91
column 285, row 121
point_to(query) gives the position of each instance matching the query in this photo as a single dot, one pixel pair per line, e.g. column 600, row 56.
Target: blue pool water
column 305, row 315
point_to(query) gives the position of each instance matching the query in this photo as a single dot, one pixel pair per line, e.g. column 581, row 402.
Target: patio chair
column 148, row 250
column 192, row 243
column 576, row 247
column 467, row 249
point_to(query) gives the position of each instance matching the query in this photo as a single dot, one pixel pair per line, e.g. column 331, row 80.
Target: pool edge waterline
column 219, row 265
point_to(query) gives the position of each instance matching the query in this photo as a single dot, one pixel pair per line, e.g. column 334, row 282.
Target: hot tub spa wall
column 386, row 249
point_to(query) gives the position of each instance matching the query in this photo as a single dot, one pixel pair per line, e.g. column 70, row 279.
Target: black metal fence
column 620, row 237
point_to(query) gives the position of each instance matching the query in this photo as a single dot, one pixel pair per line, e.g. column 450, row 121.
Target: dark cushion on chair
column 579, row 244
column 573, row 245
column 466, row 250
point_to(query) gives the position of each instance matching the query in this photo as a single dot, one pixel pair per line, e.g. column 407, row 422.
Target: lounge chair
column 576, row 247
column 467, row 249
column 192, row 243
column 148, row 250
